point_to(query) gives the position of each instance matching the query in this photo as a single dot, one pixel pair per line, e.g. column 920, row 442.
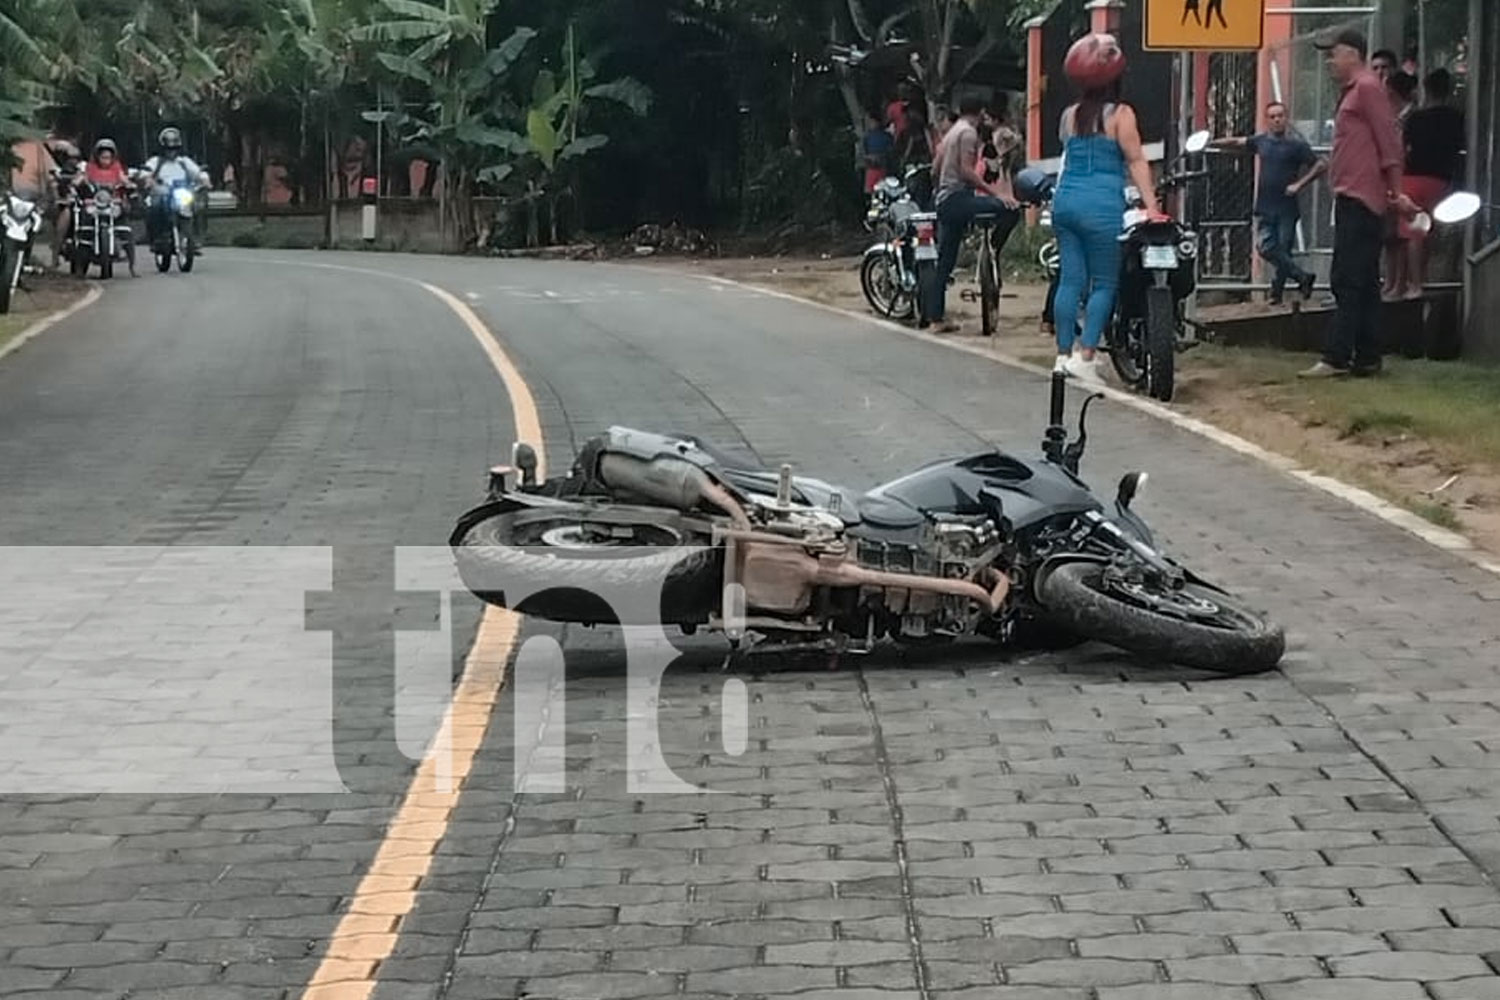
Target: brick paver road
column 1064, row 827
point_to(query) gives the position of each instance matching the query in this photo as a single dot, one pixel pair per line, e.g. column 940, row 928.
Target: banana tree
column 555, row 135
column 21, row 85
column 32, row 65
column 457, row 79
column 933, row 26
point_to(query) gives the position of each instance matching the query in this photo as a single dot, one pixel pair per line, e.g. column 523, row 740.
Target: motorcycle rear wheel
column 563, row 578
column 1226, row 638
column 1161, row 344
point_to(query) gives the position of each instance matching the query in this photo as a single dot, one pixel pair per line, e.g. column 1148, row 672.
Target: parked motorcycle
column 894, row 270
column 100, row 235
column 20, row 221
column 1017, row 550
column 1158, row 271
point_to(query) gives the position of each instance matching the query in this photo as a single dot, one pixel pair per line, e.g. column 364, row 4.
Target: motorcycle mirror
column 1458, row 207
column 1198, row 141
column 1130, row 487
column 523, row 457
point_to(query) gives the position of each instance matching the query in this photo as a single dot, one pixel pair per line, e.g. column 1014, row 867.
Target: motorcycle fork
column 1154, row 563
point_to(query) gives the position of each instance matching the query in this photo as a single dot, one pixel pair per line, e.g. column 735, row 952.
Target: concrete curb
column 1448, row 541
column 47, row 322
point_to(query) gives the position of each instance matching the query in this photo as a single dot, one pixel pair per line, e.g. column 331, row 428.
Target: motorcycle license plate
column 926, row 251
column 1159, row 258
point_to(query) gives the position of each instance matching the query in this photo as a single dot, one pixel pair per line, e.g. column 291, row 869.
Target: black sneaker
column 1274, row 299
column 1368, row 371
column 1305, row 286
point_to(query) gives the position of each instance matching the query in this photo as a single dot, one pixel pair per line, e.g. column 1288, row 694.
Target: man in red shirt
column 1365, row 174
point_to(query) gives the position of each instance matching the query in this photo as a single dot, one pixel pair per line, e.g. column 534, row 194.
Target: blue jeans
column 1277, row 234
column 1088, row 226
column 954, row 216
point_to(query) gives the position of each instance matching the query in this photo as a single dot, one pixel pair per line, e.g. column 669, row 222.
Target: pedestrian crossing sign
column 1212, row 25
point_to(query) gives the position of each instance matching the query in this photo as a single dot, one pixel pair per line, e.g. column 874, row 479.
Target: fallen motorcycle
column 992, row 545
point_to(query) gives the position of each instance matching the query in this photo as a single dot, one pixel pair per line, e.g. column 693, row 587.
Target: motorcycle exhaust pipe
column 808, row 570
column 671, row 482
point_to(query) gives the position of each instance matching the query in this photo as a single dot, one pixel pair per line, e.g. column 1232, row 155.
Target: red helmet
column 1094, row 62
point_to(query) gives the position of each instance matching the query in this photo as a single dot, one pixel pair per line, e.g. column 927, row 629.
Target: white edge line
column 1449, row 541
column 47, row 322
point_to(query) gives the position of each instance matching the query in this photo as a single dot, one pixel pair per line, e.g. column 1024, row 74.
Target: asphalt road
column 1068, row 827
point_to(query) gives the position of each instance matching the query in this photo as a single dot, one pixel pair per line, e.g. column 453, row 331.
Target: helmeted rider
column 1102, row 151
column 67, row 159
column 170, row 166
column 104, row 168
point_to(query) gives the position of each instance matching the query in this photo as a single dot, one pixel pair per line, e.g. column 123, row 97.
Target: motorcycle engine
column 950, row 547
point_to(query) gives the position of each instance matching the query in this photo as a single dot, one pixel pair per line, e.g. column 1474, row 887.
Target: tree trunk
column 459, row 210
column 327, row 185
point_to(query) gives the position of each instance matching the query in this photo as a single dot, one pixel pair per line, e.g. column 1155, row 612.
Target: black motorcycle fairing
column 1029, row 492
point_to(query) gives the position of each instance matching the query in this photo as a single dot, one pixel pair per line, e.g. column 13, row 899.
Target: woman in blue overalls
column 1101, row 147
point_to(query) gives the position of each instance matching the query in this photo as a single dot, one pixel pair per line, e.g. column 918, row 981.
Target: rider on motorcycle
column 66, row 156
column 162, row 171
column 104, row 168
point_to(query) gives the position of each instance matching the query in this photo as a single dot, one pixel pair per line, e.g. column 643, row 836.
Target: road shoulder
column 822, row 284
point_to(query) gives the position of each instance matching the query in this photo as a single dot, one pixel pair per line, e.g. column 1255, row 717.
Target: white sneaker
column 1061, row 364
column 1084, row 371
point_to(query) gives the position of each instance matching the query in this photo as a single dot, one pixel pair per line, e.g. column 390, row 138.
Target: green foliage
column 697, row 107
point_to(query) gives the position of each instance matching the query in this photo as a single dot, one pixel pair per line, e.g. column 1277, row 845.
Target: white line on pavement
column 47, row 322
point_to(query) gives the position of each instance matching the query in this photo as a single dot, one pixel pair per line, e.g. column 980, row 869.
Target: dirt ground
column 1249, row 393
column 38, row 297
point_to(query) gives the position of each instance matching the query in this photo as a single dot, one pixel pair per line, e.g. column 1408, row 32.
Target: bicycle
column 986, row 274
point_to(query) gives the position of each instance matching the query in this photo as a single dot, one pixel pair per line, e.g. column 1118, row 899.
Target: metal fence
column 1225, row 203
column 1293, row 71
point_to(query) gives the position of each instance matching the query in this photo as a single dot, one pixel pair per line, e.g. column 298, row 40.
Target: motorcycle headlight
column 182, row 197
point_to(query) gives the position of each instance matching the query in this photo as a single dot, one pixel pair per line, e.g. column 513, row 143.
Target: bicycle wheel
column 989, row 288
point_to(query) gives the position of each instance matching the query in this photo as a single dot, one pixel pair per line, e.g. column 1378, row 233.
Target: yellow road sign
column 1205, row 24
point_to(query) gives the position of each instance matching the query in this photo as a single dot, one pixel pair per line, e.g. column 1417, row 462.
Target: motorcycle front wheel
column 1161, row 344
column 881, row 285
column 186, row 251
column 544, row 564
column 1194, row 627
column 12, row 256
column 1124, row 352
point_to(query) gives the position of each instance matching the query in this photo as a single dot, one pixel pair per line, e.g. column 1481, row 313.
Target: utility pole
column 1390, row 27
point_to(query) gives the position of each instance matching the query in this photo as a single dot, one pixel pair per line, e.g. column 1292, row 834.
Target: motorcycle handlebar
column 1186, row 177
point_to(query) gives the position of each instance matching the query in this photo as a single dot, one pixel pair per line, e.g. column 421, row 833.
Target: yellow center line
column 367, row 934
